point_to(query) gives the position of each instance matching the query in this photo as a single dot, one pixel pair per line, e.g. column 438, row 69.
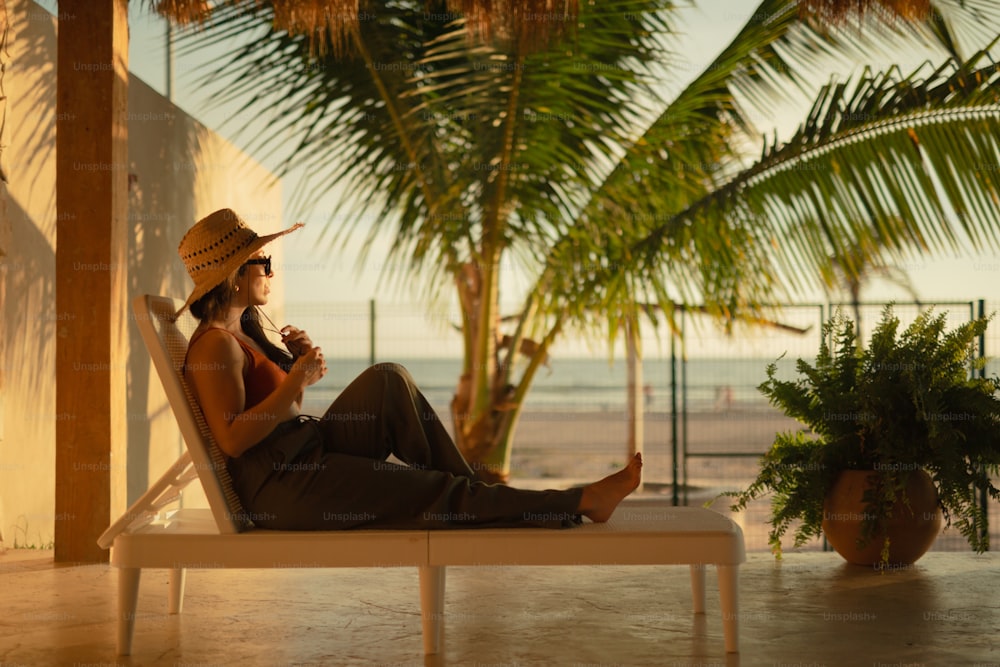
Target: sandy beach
column 721, row 445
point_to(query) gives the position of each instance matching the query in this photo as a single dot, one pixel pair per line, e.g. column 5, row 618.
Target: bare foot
column 600, row 499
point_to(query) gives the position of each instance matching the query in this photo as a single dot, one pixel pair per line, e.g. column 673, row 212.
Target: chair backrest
column 167, row 341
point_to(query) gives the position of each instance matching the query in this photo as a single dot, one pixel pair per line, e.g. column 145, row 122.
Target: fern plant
column 908, row 401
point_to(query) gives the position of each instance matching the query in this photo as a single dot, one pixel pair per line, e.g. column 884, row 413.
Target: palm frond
column 904, row 155
column 698, row 142
column 961, row 27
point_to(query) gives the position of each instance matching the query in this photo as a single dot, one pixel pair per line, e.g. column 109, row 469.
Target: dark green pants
column 331, row 472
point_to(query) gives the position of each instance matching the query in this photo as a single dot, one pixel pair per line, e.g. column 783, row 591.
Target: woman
column 296, row 472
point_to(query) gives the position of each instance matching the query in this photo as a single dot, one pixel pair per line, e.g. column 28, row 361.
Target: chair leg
column 178, row 576
column 128, row 600
column 729, row 576
column 432, row 606
column 698, row 588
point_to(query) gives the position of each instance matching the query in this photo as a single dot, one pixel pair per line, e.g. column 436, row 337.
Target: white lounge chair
column 149, row 535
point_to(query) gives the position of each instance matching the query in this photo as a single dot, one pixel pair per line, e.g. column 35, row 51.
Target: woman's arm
column 215, row 368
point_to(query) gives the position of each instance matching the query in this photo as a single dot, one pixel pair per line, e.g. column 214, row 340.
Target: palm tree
column 565, row 162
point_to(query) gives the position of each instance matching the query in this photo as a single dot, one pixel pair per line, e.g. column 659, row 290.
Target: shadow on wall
column 27, row 285
column 29, row 261
column 30, row 317
column 33, row 60
column 165, row 146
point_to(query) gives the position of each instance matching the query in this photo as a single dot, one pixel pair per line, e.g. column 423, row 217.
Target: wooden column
column 92, row 211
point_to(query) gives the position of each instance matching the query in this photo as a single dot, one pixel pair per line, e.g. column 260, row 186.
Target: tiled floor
column 811, row 609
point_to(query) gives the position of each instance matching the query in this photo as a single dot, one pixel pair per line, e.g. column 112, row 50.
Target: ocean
column 584, row 385
column 429, row 347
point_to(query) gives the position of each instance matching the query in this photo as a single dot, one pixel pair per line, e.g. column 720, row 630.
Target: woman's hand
column 310, row 366
column 296, row 340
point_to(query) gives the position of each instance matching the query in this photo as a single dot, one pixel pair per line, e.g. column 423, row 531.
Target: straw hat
column 216, row 246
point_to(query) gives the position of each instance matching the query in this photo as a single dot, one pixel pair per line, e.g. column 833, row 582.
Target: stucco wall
column 178, row 172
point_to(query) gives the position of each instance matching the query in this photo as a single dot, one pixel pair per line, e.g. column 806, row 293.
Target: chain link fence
column 705, row 424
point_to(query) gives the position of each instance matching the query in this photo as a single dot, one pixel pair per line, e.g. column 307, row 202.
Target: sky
column 328, row 274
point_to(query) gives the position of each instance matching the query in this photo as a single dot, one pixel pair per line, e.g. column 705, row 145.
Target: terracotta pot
column 911, row 530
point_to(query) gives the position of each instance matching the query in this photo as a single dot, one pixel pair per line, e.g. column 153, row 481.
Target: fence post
column 673, row 413
column 684, row 405
column 984, row 502
column 371, row 332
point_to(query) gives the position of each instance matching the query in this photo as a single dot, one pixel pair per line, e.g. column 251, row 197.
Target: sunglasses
column 264, row 261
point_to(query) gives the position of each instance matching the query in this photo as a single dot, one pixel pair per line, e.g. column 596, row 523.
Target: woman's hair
column 250, row 323
column 214, row 304
column 216, row 301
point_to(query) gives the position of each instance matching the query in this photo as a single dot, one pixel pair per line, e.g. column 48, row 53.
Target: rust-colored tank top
column 262, row 375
